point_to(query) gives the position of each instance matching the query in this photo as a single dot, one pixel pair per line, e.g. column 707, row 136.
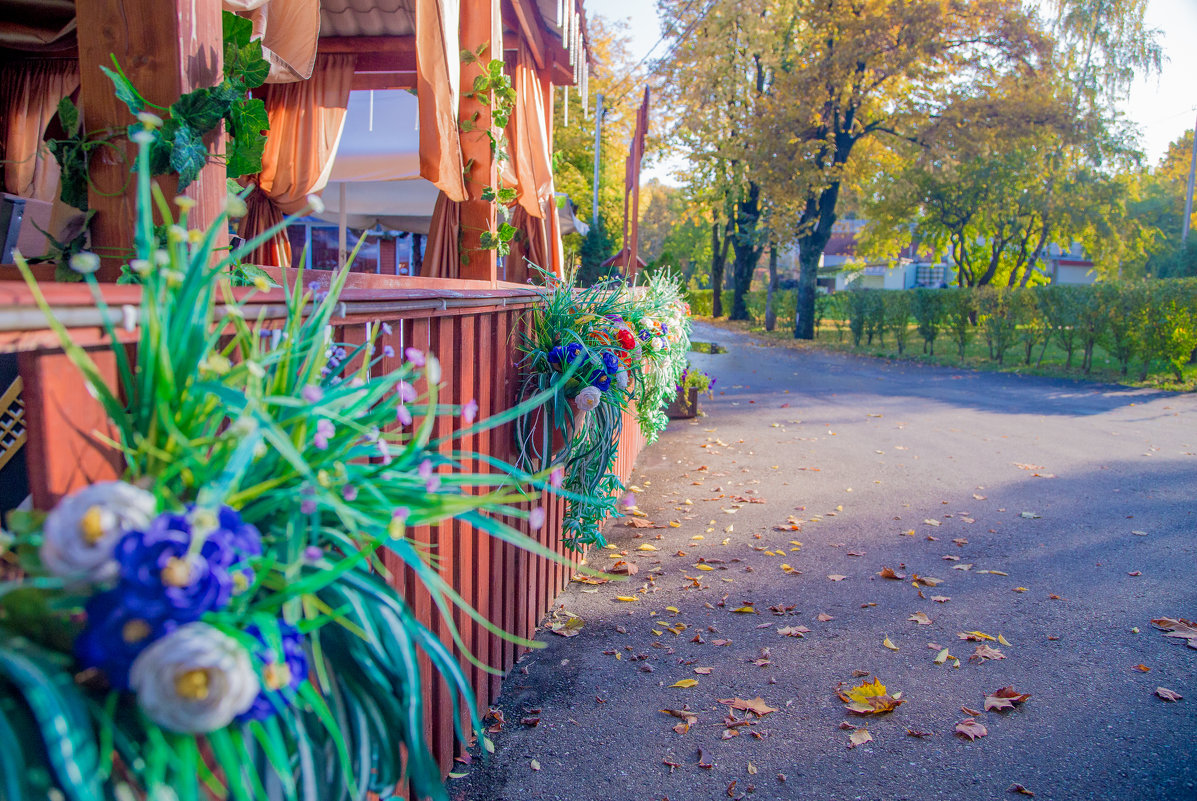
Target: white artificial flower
column 588, row 398
column 659, row 343
column 85, row 262
column 648, row 322
column 194, row 680
column 235, row 207
column 315, row 204
column 81, row 532
column 621, row 379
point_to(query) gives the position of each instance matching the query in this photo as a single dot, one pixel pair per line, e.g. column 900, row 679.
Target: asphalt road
column 1046, row 481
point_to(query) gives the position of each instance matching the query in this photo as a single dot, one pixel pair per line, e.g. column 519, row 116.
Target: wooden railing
column 473, row 331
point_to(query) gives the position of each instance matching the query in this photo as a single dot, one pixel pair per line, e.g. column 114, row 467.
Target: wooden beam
column 477, row 215
column 375, row 53
column 379, row 81
column 167, row 48
column 532, row 27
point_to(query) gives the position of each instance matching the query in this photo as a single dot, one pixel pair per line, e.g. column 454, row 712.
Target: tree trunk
column 718, row 260
column 770, row 311
column 747, row 252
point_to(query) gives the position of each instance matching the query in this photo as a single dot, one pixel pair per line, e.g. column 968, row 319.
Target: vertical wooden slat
column 62, row 419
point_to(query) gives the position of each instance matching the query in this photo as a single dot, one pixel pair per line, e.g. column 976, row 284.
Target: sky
column 1163, row 106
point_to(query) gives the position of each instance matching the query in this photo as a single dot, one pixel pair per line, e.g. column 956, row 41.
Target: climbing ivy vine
column 493, row 89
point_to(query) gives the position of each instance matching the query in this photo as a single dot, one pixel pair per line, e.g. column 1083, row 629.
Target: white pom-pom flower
column 194, row 680
column 588, row 398
column 81, row 532
column 621, row 379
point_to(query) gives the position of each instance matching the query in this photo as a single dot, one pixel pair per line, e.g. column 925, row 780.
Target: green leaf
column 254, row 68
column 68, row 115
column 247, row 121
column 188, row 156
column 200, row 109
column 236, row 30
column 506, row 232
column 125, row 91
column 507, row 195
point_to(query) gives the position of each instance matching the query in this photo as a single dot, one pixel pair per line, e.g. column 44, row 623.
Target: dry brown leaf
column 859, row 737
column 920, row 618
column 940, row 599
column 703, row 671
column 985, row 651
column 974, row 713
column 823, row 617
column 887, row 572
column 835, row 577
column 636, row 522
column 1168, row 695
column 793, row 631
column 756, row 706
column 970, row 728
column 976, row 636
column 1141, row 668
column 1005, row 698
column 917, row 733
column 1018, row 788
column 623, row 568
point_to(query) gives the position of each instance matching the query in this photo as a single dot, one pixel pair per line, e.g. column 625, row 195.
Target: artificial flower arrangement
column 601, row 350
column 702, row 381
column 218, row 623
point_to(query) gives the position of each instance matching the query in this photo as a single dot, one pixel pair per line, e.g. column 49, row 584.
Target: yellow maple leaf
column 685, row 683
column 746, row 610
column 870, row 698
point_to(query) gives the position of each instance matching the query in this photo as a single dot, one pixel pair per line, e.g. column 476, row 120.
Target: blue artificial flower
column 664, row 329
column 610, row 362
column 114, row 636
column 556, row 354
column 602, row 383
column 160, row 577
column 615, row 318
column 645, row 336
column 281, row 677
column 572, row 351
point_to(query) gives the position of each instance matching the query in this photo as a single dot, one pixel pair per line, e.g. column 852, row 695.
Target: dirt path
column 1060, row 516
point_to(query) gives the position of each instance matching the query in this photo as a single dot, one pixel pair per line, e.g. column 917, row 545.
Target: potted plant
column 689, row 386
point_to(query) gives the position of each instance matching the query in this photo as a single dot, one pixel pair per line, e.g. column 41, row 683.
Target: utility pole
column 598, row 146
column 1184, row 231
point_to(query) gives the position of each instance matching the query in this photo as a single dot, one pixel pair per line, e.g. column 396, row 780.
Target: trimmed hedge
column 1151, row 323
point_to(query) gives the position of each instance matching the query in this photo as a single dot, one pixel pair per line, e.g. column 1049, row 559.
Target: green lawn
column 1105, row 367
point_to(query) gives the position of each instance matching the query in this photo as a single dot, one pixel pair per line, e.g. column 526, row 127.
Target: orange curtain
column 530, row 166
column 438, row 87
column 29, row 95
column 530, row 249
column 306, row 119
column 442, row 258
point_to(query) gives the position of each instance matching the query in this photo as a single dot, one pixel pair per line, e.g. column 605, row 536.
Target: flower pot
column 684, row 404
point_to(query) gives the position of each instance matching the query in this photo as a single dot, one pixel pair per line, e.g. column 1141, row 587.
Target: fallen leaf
column 1005, row 698
column 970, row 728
column 917, row 733
column 626, row 598
column 931, row 522
column 624, row 568
column 1004, row 641
column 1029, row 515
column 702, row 760
column 1020, row 589
column 756, row 706
column 685, row 683
column 746, row 610
column 940, row 599
column 941, row 657
column 703, row 671
column 1018, row 788
column 1141, row 668
column 793, row 631
column 637, row 522
column 671, row 765
column 647, row 547
column 971, row 712
column 869, row 698
column 751, row 769
column 984, row 652
column 859, row 737
column 889, row 573
column 920, row 618
column 887, row 643
column 976, row 636
column 535, row 765
column 837, row 577
column 1135, row 573
column 823, row 617
column 1168, row 695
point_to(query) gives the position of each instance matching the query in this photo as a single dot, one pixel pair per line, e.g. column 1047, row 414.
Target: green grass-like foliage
column 213, row 407
column 646, row 331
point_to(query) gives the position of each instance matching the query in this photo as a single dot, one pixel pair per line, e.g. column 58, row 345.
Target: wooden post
column 167, row 48
column 479, row 21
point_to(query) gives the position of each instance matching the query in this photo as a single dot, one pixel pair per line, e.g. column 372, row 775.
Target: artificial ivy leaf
column 68, row 115
column 72, row 161
column 200, row 110
column 125, row 91
column 506, row 232
column 254, row 68
column 247, row 121
column 188, row 154
column 236, row 30
column 506, row 195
